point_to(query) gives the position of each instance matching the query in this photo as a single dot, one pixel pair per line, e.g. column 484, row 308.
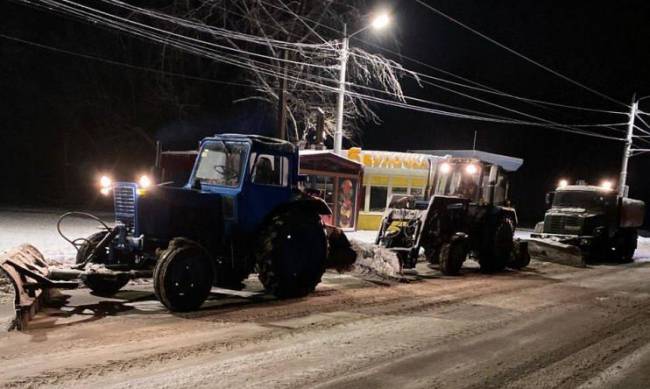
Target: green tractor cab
column 465, row 211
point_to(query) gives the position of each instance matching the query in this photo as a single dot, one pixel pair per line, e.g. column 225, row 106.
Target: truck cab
column 593, row 221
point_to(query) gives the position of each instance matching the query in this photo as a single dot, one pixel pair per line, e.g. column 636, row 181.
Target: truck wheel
column 626, row 245
column 292, row 254
column 99, row 284
column 496, row 248
column 520, row 257
column 451, row 258
column 183, row 276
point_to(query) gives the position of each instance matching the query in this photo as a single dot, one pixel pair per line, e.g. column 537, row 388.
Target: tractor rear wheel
column 496, row 248
column 183, row 276
column 292, row 254
column 451, row 258
column 99, row 284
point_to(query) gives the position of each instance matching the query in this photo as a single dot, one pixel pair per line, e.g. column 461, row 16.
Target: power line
column 234, row 61
column 514, row 52
column 478, row 86
column 123, row 64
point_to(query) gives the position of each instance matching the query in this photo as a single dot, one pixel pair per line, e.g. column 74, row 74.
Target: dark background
column 65, row 119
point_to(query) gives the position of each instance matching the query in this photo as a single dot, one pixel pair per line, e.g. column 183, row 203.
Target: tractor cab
column 252, row 175
column 465, row 210
column 471, row 179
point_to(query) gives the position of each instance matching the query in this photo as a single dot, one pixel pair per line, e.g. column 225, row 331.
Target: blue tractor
column 241, row 211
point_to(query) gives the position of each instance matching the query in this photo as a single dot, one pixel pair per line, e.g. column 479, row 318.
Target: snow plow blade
column 28, row 272
column 556, row 252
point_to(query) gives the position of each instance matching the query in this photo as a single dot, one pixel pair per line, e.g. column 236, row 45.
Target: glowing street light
column 380, row 21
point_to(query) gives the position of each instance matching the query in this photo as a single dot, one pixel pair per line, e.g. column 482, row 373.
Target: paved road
column 547, row 326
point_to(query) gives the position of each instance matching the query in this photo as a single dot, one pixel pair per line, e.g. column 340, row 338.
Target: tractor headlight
column 105, row 185
column 445, row 168
column 144, row 182
column 471, row 169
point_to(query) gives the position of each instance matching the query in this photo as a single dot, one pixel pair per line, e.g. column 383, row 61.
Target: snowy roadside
column 38, row 227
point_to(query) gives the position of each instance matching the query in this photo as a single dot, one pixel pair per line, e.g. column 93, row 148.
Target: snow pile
column 375, row 260
column 7, row 310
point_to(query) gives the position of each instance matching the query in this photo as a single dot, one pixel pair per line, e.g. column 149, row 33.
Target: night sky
column 63, row 119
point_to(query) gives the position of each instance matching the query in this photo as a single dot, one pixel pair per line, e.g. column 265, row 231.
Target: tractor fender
column 509, row 213
column 182, row 241
column 302, row 203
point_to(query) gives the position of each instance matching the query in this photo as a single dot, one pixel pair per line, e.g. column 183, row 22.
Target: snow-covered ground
column 38, row 227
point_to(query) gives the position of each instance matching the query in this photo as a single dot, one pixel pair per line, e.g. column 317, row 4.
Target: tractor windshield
column 458, row 179
column 590, row 200
column 222, row 163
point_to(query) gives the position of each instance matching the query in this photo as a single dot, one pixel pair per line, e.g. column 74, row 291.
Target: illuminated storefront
column 386, row 173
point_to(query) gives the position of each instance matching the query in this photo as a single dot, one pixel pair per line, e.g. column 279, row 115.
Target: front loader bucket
column 27, row 272
column 551, row 251
column 341, row 256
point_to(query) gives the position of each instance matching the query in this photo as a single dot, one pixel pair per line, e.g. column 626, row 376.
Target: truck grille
column 563, row 224
column 125, row 203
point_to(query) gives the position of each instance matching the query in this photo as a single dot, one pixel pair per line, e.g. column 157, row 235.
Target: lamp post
column 379, row 22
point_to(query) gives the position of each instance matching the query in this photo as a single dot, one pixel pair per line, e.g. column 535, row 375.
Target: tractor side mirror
column 549, row 198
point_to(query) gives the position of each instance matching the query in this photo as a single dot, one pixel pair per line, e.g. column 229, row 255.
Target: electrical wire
column 477, row 86
column 123, row 64
column 514, row 52
column 233, row 60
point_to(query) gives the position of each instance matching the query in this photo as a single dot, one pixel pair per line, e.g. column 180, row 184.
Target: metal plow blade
column 27, row 272
column 552, row 251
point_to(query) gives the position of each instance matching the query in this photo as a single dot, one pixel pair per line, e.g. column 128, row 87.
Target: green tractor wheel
column 99, row 284
column 292, row 254
column 496, row 248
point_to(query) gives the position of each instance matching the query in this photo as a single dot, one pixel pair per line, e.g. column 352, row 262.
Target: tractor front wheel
column 99, row 284
column 292, row 254
column 496, row 247
column 451, row 258
column 183, row 276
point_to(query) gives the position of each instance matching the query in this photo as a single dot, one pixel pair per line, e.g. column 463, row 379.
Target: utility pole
column 282, row 100
column 338, row 132
column 627, row 151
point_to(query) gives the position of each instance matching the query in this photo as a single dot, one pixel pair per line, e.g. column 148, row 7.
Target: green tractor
column 465, row 211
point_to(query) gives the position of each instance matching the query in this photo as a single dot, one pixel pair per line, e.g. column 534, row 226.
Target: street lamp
column 378, row 22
